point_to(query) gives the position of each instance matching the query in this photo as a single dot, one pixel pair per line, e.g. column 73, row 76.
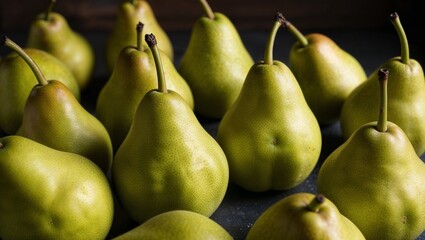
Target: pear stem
column 395, row 19
column 49, row 9
column 296, row 33
column 316, row 202
column 139, row 30
column 382, row 120
column 34, row 67
column 151, row 41
column 133, row 2
column 268, row 55
column 207, row 9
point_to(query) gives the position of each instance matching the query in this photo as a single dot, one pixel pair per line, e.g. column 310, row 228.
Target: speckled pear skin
column 215, row 65
column 326, row 73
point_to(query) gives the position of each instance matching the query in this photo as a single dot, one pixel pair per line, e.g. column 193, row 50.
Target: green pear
column 406, row 86
column 50, row 194
column 17, row 80
column 376, row 179
column 303, row 216
column 177, row 225
column 51, row 32
column 131, row 12
column 133, row 76
column 270, row 136
column 168, row 161
column 215, row 63
column 53, row 116
column 326, row 73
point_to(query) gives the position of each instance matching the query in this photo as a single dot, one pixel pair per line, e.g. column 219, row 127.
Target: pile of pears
column 142, row 165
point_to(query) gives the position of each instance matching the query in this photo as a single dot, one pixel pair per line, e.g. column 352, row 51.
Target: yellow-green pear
column 17, row 80
column 270, row 136
column 50, row 194
column 53, row 116
column 406, row 86
column 133, row 76
column 130, row 13
column 303, row 216
column 215, row 63
column 177, row 225
column 327, row 74
column 51, row 32
column 168, row 161
column 376, row 179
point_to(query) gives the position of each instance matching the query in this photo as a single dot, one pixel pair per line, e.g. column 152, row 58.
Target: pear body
column 168, row 161
column 50, row 194
column 215, row 65
column 177, row 225
column 133, row 76
column 375, row 173
column 326, row 74
column 270, row 136
column 17, row 80
column 56, row 37
column 406, row 86
column 289, row 218
column 123, row 33
column 54, row 117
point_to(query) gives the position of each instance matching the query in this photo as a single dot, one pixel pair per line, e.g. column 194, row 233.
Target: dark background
column 360, row 27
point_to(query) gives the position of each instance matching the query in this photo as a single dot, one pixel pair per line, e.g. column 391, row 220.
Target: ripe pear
column 51, row 32
column 53, row 116
column 215, row 63
column 327, row 74
column 131, row 12
column 406, row 86
column 376, row 179
column 303, row 216
column 50, row 194
column 168, row 161
column 133, row 76
column 177, row 225
column 270, row 136
column 17, row 80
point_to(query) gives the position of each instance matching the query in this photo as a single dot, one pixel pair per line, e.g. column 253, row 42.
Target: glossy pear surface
column 326, row 73
column 49, row 194
column 17, row 80
column 57, row 38
column 123, row 34
column 215, row 65
column 270, row 136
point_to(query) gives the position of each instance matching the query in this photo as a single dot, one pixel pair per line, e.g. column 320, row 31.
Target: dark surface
column 241, row 208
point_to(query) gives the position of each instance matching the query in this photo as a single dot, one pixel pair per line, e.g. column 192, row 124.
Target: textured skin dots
column 376, row 180
column 327, row 75
column 168, row 161
column 270, row 136
column 215, row 65
column 48, row 194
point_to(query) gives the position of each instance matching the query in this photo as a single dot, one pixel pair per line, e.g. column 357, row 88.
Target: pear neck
column 317, row 201
column 34, row 67
column 404, row 44
column 207, row 9
column 49, row 10
column 151, row 41
column 382, row 124
column 133, row 2
column 296, row 33
column 268, row 54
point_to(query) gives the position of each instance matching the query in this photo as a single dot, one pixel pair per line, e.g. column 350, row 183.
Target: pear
column 327, row 74
column 303, row 216
column 51, row 32
column 17, row 80
column 270, row 136
column 168, row 161
column 133, row 76
column 53, row 116
column 215, row 63
column 50, row 194
column 131, row 12
column 177, row 225
column 376, row 179
column 406, row 86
